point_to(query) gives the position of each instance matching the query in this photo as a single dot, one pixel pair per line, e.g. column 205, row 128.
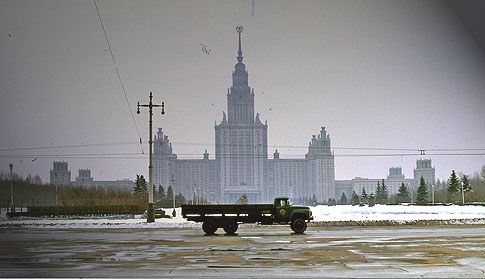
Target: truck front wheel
column 209, row 227
column 298, row 225
column 230, row 227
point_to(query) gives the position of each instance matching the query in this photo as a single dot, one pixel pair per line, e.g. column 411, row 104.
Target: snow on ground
column 321, row 214
column 396, row 213
column 122, row 222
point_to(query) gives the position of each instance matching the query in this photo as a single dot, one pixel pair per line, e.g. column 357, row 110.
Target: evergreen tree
column 466, row 185
column 155, row 193
column 403, row 194
column 161, row 192
column 379, row 192
column 314, row 200
column 372, row 200
column 422, row 197
column 384, row 193
column 363, row 196
column 482, row 173
column 170, row 192
column 355, row 198
column 343, row 199
column 179, row 200
column 242, row 200
column 140, row 185
column 453, row 186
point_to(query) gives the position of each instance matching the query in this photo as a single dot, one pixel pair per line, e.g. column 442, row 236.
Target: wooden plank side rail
column 227, row 209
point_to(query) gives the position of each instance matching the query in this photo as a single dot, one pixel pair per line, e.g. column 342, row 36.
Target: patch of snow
column 396, row 212
column 347, row 214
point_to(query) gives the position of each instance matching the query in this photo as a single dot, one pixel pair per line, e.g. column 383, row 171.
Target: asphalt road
column 260, row 251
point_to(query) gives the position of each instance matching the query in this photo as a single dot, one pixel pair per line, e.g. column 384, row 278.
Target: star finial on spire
column 239, row 30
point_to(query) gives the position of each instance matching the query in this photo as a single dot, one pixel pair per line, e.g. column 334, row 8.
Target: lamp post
column 174, row 214
column 57, row 183
column 11, row 188
column 150, row 106
column 462, row 195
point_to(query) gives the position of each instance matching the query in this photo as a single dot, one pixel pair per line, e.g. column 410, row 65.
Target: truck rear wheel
column 230, row 227
column 209, row 227
column 298, row 225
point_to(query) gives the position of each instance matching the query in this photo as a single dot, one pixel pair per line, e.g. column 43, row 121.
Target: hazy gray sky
column 383, row 74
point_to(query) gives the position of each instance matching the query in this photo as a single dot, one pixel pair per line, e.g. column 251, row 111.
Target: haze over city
column 376, row 74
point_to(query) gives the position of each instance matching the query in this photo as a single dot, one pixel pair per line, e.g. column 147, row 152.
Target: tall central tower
column 241, row 141
column 240, row 98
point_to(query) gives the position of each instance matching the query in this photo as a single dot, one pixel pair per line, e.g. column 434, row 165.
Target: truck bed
column 223, row 209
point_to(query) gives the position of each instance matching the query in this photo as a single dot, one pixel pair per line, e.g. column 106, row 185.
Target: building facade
column 241, row 142
column 241, row 165
column 394, row 180
column 59, row 174
column 425, row 170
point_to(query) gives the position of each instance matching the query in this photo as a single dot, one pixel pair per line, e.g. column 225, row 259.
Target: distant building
column 84, row 176
column 425, row 170
column 345, row 187
column 241, row 164
column 393, row 181
column 59, row 174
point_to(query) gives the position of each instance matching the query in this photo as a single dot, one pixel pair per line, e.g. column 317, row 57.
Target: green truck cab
column 229, row 216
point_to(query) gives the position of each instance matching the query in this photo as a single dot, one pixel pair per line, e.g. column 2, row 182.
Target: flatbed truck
column 229, row 216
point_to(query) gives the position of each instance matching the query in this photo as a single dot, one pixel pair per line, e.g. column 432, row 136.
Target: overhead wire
column 118, row 73
column 106, row 144
column 194, row 157
column 70, row 146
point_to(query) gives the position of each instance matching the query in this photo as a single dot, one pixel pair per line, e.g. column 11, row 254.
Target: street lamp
column 174, row 214
column 462, row 195
column 57, row 183
column 150, row 106
column 11, row 188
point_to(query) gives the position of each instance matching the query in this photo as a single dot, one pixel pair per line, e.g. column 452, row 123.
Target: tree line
column 458, row 189
column 31, row 191
column 162, row 198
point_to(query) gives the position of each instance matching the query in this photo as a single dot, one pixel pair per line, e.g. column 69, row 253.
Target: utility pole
column 57, row 183
column 173, row 195
column 150, row 106
column 11, row 188
column 462, row 195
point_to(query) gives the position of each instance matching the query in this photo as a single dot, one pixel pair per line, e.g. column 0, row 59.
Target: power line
column 192, row 157
column 336, row 147
column 118, row 73
column 237, row 145
column 70, row 146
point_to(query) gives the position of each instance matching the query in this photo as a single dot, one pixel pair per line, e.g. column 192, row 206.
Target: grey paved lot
column 261, row 251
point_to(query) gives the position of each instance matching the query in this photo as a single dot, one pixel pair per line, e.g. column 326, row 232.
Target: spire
column 240, row 75
column 239, row 30
column 240, row 100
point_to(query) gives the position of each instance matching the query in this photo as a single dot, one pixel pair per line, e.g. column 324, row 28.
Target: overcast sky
column 376, row 74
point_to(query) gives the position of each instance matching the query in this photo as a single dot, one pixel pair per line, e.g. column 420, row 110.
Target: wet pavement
column 256, row 251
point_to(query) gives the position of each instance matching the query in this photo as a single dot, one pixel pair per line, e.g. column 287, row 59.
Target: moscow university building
column 241, row 164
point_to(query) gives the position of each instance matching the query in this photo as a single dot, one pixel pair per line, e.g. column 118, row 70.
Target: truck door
column 282, row 210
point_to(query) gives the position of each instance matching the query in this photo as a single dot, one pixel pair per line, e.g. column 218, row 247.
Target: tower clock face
column 239, row 28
